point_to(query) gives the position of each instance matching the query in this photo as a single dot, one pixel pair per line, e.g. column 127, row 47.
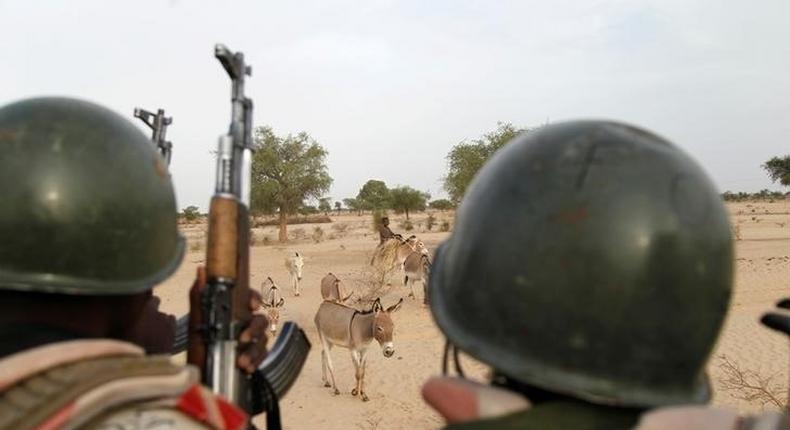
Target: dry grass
column 300, row 219
column 751, row 386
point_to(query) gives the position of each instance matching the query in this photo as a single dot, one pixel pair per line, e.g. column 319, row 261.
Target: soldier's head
column 604, row 253
column 88, row 206
column 385, row 221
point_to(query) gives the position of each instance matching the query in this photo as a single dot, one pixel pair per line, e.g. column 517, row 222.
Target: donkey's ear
column 395, row 307
column 280, row 303
column 377, row 305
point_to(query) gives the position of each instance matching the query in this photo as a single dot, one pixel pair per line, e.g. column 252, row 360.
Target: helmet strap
column 448, row 349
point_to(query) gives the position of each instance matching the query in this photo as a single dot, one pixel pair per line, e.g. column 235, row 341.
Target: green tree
column 441, row 204
column 405, row 199
column 190, row 213
column 324, row 205
column 466, row 158
column 285, row 172
column 338, row 206
column 778, row 169
column 353, row 205
column 374, row 195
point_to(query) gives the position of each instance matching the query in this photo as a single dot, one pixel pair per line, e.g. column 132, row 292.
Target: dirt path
column 393, row 384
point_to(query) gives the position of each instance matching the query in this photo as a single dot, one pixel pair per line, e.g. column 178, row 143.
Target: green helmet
column 592, row 259
column 88, row 206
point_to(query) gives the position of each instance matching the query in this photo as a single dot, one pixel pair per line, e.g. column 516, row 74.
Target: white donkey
column 294, row 264
column 353, row 329
column 272, row 302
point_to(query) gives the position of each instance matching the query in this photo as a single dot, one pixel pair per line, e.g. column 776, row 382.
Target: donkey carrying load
column 332, row 288
column 350, row 328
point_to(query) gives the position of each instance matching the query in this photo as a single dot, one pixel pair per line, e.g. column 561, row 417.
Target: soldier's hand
column 460, row 400
column 252, row 339
column 154, row 330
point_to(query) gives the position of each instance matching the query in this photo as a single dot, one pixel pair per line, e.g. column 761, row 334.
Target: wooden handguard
column 221, row 255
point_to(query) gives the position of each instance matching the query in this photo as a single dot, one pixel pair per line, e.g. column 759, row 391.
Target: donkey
column 331, row 288
column 349, row 328
column 294, row 264
column 417, row 267
column 272, row 302
column 394, row 251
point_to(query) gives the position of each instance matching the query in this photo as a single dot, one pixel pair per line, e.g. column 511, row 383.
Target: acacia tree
column 285, row 172
column 337, row 207
column 404, row 199
column 778, row 169
column 353, row 205
column 441, row 204
column 466, row 158
column 374, row 195
column 324, row 205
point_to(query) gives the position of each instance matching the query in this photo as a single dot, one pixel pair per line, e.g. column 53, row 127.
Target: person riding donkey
column 88, row 229
column 591, row 267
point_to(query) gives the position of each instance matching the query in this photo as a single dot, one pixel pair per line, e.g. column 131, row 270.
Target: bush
column 189, row 214
column 340, row 227
column 196, row 245
column 318, row 234
column 445, row 226
column 430, row 222
column 407, row 225
column 298, row 233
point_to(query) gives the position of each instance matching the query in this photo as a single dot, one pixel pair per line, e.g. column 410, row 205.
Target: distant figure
column 384, row 231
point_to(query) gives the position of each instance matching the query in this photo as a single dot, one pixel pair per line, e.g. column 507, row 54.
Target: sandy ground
column 393, row 384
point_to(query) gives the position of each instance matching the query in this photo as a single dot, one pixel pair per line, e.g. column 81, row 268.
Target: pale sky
column 388, row 87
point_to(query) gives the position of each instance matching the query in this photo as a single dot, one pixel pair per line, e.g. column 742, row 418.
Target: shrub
column 298, row 233
column 407, row 225
column 430, row 222
column 318, row 234
column 445, row 226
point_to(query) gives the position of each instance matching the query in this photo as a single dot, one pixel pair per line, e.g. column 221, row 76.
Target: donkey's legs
column 328, row 349
column 355, row 357
column 363, row 360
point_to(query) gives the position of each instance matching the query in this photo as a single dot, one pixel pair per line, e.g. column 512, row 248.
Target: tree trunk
column 283, row 226
column 407, row 214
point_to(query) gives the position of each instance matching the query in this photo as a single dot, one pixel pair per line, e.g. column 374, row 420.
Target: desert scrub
column 407, row 225
column 298, row 233
column 318, row 234
column 430, row 222
column 445, row 226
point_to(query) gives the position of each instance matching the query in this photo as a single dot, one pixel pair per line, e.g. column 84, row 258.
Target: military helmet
column 592, row 259
column 88, row 205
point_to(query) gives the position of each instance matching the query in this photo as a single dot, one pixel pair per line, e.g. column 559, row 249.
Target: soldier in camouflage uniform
column 87, row 228
column 591, row 267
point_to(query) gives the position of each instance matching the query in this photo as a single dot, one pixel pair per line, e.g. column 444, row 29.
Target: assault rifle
column 158, row 123
column 225, row 302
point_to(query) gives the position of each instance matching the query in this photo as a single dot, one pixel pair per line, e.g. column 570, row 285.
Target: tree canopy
column 405, row 199
column 778, row 169
column 285, row 172
column 374, row 195
column 441, row 204
column 466, row 158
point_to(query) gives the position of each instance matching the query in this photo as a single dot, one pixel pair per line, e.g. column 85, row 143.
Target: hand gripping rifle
column 158, row 123
column 225, row 299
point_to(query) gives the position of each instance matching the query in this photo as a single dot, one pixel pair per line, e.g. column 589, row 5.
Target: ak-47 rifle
column 158, row 123
column 225, row 301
